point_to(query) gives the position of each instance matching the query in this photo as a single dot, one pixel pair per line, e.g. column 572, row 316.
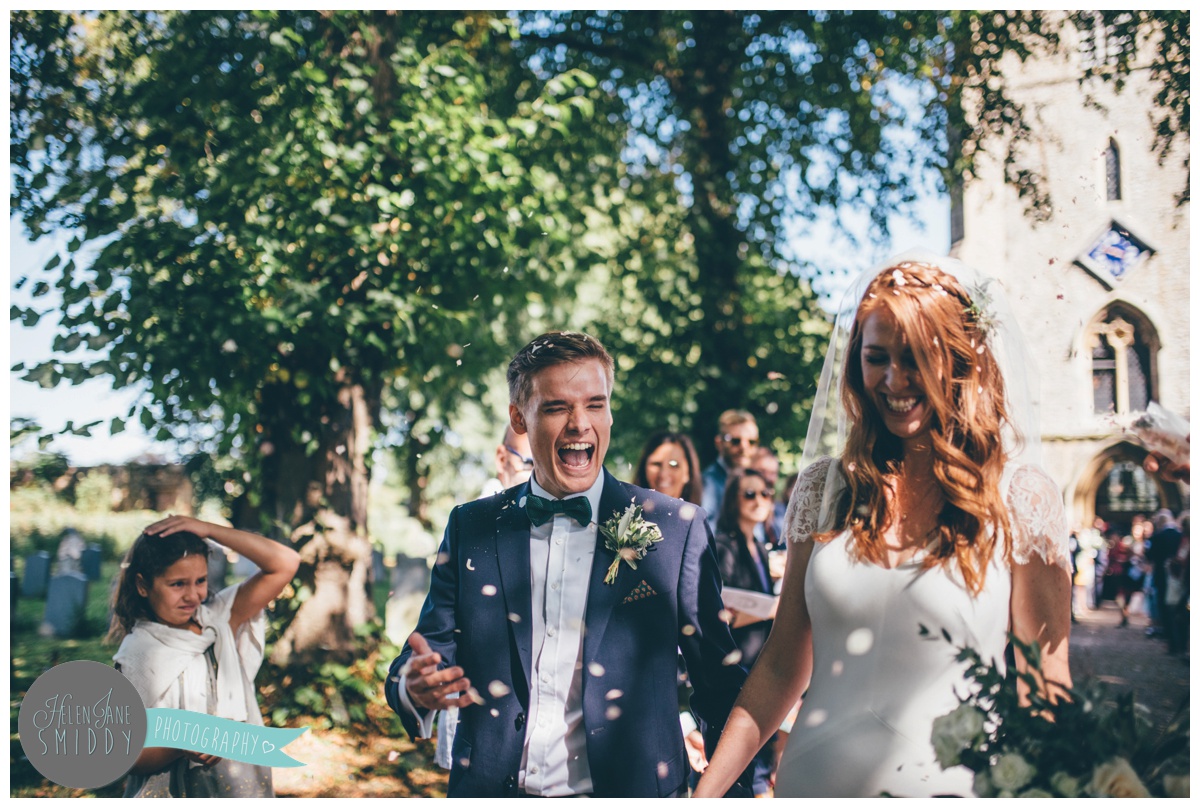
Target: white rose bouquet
column 1090, row 744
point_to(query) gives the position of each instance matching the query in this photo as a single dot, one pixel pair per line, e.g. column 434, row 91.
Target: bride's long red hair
column 965, row 390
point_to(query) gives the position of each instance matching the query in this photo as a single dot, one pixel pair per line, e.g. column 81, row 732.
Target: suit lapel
column 512, row 554
column 603, row 598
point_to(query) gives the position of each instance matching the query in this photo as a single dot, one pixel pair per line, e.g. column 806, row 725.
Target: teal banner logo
column 223, row 737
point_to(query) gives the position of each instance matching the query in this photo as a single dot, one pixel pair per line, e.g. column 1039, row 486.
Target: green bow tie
column 541, row 510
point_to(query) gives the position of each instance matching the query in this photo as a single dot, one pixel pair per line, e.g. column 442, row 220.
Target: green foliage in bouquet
column 1084, row 745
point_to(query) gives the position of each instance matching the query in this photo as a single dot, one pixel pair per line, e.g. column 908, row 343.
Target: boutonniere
column 629, row 536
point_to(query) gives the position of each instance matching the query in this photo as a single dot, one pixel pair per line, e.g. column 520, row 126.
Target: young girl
column 184, row 653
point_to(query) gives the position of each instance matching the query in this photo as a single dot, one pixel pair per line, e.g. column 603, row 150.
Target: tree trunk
column 332, row 540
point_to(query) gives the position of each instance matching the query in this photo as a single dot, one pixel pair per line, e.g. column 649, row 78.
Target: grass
column 32, row 655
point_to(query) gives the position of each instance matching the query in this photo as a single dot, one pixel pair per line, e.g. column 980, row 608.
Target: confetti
column 733, row 658
column 595, row 669
column 498, row 689
column 613, row 712
column 488, row 590
column 613, row 694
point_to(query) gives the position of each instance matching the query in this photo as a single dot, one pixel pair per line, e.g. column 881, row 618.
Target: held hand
column 694, row 742
column 429, row 687
column 179, row 524
column 1156, row 463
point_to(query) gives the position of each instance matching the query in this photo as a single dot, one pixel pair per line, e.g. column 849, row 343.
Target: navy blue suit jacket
column 629, row 647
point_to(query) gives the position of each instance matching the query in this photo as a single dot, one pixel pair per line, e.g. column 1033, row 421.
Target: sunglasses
column 525, row 461
column 764, row 493
column 734, row 440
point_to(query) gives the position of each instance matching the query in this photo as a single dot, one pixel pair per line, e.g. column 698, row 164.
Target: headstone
column 66, row 600
column 409, row 585
column 92, row 555
column 218, row 567
column 37, row 575
column 243, row 568
column 70, row 552
column 378, row 571
column 409, row 575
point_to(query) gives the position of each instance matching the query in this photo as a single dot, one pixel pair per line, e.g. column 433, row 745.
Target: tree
column 756, row 123
column 298, row 214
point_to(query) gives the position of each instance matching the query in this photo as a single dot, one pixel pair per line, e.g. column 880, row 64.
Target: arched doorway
column 1115, row 487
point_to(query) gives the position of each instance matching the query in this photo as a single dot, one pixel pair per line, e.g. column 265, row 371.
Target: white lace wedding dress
column 877, row 685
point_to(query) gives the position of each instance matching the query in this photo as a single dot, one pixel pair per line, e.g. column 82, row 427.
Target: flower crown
column 977, row 302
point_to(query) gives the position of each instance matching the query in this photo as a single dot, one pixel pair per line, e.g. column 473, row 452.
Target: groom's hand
column 429, row 687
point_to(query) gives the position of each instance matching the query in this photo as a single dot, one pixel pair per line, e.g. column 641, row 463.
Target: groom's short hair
column 553, row 348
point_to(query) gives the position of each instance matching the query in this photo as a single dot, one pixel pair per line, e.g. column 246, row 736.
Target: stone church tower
column 1101, row 287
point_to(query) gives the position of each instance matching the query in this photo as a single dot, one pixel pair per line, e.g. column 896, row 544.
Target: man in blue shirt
column 736, row 442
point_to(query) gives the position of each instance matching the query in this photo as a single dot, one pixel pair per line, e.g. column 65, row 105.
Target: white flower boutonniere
column 629, row 536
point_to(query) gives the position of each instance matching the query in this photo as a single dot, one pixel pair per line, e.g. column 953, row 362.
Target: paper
column 747, row 601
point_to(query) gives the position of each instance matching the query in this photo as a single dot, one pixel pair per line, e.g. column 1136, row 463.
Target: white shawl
column 168, row 668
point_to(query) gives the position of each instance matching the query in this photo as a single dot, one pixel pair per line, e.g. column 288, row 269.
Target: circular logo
column 82, row 724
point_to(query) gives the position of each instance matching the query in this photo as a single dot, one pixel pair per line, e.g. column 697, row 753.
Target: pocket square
column 640, row 592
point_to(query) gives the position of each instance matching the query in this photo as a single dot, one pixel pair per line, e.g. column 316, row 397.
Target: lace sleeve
column 1039, row 521
column 804, row 510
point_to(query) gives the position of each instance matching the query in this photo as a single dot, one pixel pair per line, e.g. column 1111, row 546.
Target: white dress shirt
column 554, row 759
column 554, row 762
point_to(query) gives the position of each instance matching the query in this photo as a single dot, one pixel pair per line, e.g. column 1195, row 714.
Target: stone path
column 1125, row 659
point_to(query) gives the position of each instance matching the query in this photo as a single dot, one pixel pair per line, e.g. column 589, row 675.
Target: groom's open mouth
column 576, row 455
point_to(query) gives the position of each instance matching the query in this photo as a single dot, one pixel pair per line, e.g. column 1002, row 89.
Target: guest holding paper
column 186, row 652
column 744, row 565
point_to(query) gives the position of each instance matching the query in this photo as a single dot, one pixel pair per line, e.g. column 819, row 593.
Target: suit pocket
column 672, row 775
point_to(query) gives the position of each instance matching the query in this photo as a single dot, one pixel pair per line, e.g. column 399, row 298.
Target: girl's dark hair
column 149, row 557
column 731, row 500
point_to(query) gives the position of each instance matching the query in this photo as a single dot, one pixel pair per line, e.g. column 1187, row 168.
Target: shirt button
column 546, row 678
column 558, row 540
column 533, row 769
column 551, row 631
column 554, row 586
column 541, row 720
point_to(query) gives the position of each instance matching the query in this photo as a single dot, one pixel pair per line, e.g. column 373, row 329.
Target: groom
column 567, row 682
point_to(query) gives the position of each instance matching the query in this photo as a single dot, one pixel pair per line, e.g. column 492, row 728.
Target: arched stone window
column 1112, row 169
column 1123, row 345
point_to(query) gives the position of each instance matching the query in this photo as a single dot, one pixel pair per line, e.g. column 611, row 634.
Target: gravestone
column 92, row 555
column 409, row 585
column 37, row 575
column 70, row 553
column 66, row 600
column 378, row 570
column 218, row 567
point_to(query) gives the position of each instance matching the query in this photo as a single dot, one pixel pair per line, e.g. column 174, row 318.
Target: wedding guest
column 185, row 652
column 670, row 466
column 736, row 440
column 743, row 562
column 766, row 463
column 1162, row 545
column 557, row 609
column 1119, row 560
column 1179, row 583
column 514, row 464
column 931, row 516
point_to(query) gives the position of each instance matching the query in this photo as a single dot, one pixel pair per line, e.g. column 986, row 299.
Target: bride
column 932, row 517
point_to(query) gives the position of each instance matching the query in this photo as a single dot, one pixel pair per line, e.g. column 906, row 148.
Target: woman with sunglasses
column 742, row 560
